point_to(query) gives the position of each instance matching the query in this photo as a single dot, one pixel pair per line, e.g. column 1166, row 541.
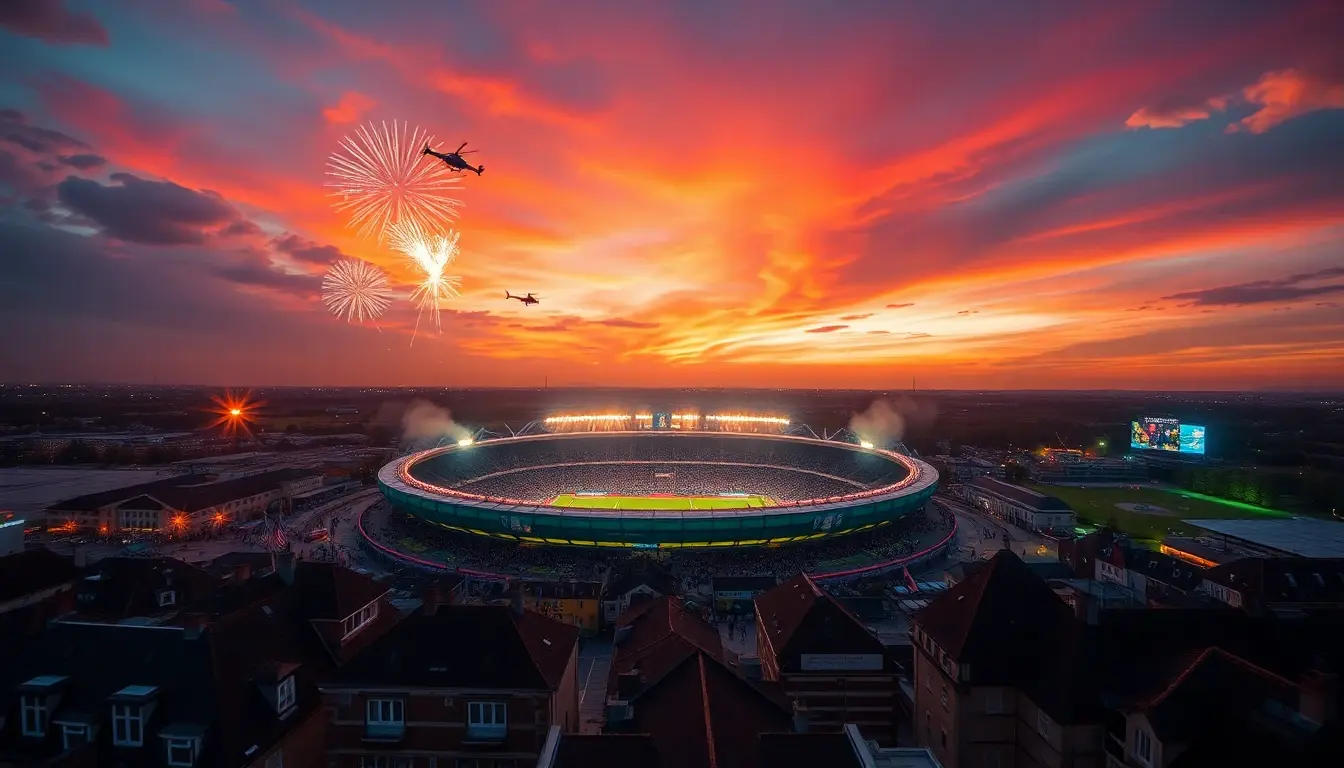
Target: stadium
column 656, row 488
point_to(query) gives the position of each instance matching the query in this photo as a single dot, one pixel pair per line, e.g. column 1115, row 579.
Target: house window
column 486, row 720
column 181, row 752
column 167, row 597
column 74, row 736
column 34, row 716
column 1143, row 747
column 385, row 719
column 127, row 726
column 1042, row 723
column 284, row 696
column 359, row 619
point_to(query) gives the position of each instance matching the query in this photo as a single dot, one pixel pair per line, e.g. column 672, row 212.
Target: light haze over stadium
column 659, row 481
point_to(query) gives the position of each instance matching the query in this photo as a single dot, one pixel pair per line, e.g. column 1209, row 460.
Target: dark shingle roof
column 1024, row 496
column 607, row 750
column 662, row 634
column 1166, row 569
column 1003, row 620
column 125, row 587
column 189, row 493
column 808, row 750
column 1284, row 579
column 468, row 646
column 800, row 617
column 1215, row 687
column 33, row 570
column 648, row 573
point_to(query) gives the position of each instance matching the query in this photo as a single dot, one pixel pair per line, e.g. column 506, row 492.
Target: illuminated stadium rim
column 400, row 471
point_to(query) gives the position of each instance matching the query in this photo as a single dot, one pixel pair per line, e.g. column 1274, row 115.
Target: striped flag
column 274, row 537
column 910, row 580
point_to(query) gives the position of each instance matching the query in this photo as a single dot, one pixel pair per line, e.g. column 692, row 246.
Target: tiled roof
column 505, row 651
column 647, row 573
column 1003, row 620
column 33, row 570
column 1020, row 495
column 1214, row 687
column 557, row 590
column 800, row 617
column 808, row 750
column 1284, row 579
column 702, row 715
column 577, row 750
column 662, row 634
column 127, row 587
column 188, row 493
column 1166, row 569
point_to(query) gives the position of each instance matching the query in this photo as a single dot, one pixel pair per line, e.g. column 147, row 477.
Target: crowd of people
column 685, row 465
column 695, row 567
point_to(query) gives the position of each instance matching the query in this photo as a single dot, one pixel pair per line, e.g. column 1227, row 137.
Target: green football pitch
column 660, row 502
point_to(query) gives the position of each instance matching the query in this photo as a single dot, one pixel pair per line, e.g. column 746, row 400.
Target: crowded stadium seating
column 683, row 465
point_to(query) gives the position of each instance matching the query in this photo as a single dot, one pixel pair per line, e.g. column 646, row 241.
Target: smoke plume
column 426, row 423
column 885, row 422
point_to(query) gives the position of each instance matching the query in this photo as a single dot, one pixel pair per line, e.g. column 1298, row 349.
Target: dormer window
column 182, row 744
column 35, row 715
column 181, row 752
column 167, row 598
column 285, row 700
column 359, row 619
column 128, row 725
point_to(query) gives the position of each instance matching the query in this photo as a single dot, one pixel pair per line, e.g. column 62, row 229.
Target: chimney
column 284, row 565
column 1318, row 699
column 242, row 572
column 627, row 684
column 431, row 600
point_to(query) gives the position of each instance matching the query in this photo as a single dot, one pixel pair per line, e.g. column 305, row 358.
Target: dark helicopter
column 528, row 299
column 454, row 159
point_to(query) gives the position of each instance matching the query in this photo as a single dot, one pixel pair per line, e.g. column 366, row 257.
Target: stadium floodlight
column 865, row 445
column 464, row 442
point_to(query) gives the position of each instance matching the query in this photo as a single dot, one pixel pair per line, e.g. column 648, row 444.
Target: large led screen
column 1166, row 435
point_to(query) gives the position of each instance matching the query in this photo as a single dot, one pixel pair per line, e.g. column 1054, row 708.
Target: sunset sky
column 979, row 194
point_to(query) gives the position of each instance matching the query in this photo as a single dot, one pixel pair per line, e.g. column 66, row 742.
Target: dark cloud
column 901, row 306
column 153, row 212
column 1291, row 288
column 83, row 162
column 258, row 274
column 827, row 329
column 240, row 228
column 857, row 317
column 50, row 21
column 968, row 312
column 302, row 249
column 621, row 322
column 15, row 129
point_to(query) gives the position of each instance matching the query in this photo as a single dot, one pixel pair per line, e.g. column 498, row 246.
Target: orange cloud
column 349, row 109
column 1284, row 95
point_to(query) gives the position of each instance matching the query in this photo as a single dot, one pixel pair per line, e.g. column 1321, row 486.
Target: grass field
column 1102, row 504
column 660, row 502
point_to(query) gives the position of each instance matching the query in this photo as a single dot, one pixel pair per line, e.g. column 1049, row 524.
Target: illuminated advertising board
column 1171, row 435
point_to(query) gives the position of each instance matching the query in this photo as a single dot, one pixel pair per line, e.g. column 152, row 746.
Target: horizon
column 1057, row 197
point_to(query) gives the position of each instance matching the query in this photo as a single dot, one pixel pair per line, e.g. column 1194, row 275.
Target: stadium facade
column 807, row 488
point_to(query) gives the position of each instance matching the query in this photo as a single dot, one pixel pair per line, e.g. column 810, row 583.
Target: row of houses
column 182, row 504
column 253, row 662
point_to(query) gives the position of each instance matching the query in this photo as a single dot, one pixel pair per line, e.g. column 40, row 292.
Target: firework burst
column 356, row 289
column 430, row 254
column 234, row 414
column 381, row 178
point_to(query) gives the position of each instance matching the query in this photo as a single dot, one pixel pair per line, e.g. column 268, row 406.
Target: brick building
column 831, row 667
column 672, row 680
column 1006, row 674
column 455, row 686
column 227, row 681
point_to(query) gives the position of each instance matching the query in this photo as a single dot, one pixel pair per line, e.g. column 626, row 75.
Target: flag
column 274, row 537
column 910, row 580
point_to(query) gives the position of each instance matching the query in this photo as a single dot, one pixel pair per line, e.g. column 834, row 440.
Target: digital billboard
column 1166, row 435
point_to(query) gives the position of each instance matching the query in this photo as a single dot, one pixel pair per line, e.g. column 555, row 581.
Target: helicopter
column 528, row 299
column 454, row 159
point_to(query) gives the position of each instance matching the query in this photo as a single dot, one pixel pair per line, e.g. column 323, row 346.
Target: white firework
column 382, row 177
column 430, row 253
column 356, row 290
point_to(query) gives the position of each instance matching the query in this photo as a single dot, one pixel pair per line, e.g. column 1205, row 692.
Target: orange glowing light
column 234, row 413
